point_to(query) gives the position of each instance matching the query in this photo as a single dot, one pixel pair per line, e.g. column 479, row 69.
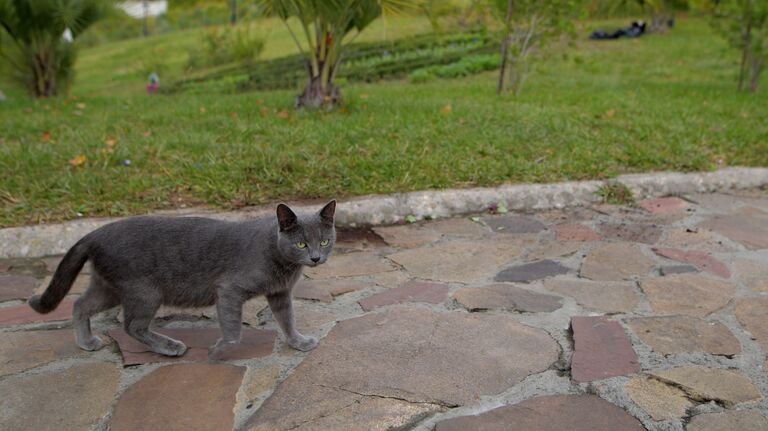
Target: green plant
column 470, row 65
column 226, row 45
column 615, row 193
column 325, row 24
column 35, row 45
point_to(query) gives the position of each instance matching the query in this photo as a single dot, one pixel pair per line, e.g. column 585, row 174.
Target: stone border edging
column 45, row 240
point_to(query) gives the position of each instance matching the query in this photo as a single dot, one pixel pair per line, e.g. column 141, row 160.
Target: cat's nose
column 315, row 259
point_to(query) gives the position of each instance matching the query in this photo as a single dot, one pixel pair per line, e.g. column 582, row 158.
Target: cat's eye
column 324, row 242
column 301, row 244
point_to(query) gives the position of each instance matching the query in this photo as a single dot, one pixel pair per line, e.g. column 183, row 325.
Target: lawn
column 594, row 110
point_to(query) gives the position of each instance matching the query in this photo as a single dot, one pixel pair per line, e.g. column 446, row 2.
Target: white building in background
column 135, row 8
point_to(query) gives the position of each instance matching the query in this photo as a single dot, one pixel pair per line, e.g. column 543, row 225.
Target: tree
column 37, row 40
column 325, row 25
column 528, row 26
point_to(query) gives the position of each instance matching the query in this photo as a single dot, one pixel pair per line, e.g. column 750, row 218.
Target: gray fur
column 142, row 263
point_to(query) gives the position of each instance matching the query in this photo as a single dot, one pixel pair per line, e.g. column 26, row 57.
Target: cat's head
column 306, row 239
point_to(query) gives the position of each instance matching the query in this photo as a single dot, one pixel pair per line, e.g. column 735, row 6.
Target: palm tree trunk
column 505, row 47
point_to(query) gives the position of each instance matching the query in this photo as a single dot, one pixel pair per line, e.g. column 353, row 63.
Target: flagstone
column 711, row 384
column 660, row 400
column 257, row 381
column 14, row 286
column 752, row 313
column 677, row 269
column 405, row 356
column 532, row 271
column 729, row 420
column 506, row 297
column 457, row 261
column 514, row 224
column 615, row 261
column 408, row 236
column 576, row 232
column 23, row 350
column 702, row 260
column 459, row 227
column 645, row 233
column 752, row 273
column 696, row 239
column 73, row 398
column 749, row 230
column 414, row 291
column 350, row 265
column 19, row 314
column 553, row 250
column 666, row 205
column 555, row 412
column 184, row 397
column 672, row 294
column 678, row 334
column 601, row 350
column 605, row 296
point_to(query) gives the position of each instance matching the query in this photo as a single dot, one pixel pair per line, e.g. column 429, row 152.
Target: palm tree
column 35, row 45
column 325, row 25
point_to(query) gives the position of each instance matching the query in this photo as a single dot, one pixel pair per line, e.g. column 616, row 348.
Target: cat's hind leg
column 282, row 308
column 97, row 298
column 138, row 311
column 229, row 309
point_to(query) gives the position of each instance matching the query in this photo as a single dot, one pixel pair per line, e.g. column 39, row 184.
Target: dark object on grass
column 636, row 29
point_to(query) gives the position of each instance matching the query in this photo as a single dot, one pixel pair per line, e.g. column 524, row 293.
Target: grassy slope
column 659, row 102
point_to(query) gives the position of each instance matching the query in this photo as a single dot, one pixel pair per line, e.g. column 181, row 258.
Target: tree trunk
column 233, row 12
column 43, row 81
column 757, row 68
column 505, row 47
column 747, row 44
column 317, row 93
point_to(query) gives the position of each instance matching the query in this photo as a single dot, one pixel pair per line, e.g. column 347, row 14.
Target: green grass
column 592, row 111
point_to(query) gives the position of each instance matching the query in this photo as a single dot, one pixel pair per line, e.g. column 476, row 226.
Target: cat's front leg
column 229, row 309
column 281, row 305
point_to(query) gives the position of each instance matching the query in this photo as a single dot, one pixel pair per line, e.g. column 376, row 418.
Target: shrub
column 227, row 45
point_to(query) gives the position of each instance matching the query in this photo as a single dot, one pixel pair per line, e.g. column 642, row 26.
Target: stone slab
column 711, row 384
column 606, row 296
column 752, row 313
column 752, row 273
column 71, row 399
column 677, row 269
column 350, row 265
column 414, row 291
column 550, row 413
column 601, row 350
column 514, row 224
column 23, row 350
column 645, row 233
column 702, row 260
column 459, row 228
column 553, row 250
column 256, row 382
column 696, row 239
column 660, row 400
column 407, row 236
column 672, row 294
column 307, row 289
column 325, row 290
column 679, row 334
column 458, row 261
column 663, row 206
column 751, row 231
column 255, row 343
column 729, row 420
column 506, row 297
column 184, row 397
column 19, row 314
column 532, row 271
column 576, row 232
column 615, row 261
column 406, row 354
column 14, row 286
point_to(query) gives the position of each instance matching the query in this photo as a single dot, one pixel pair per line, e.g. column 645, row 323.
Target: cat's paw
column 217, row 350
column 171, row 348
column 305, row 344
column 92, row 344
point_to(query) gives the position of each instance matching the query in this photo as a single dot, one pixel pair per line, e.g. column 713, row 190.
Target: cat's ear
column 328, row 211
column 286, row 218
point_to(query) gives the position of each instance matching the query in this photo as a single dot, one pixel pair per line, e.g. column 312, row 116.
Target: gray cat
column 142, row 263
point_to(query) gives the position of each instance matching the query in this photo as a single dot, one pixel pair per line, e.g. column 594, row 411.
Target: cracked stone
column 711, row 384
column 440, row 359
column 532, row 271
column 645, row 233
column 457, row 261
column 514, row 224
column 752, row 313
column 389, row 279
column 183, row 397
column 748, row 230
column 255, row 343
column 555, row 412
column 601, row 350
column 702, row 260
column 677, row 269
column 19, row 314
column 408, row 236
column 729, row 420
column 28, row 349
column 678, row 334
column 81, row 283
column 14, row 286
column 506, row 297
column 672, row 294
column 698, row 239
column 659, row 400
column 432, row 293
column 257, row 381
column 553, row 250
column 576, row 232
column 459, row 227
column 615, row 261
column 74, row 398
column 350, row 265
column 307, row 289
column 752, row 273
column 326, row 289
column 609, row 297
column 663, row 206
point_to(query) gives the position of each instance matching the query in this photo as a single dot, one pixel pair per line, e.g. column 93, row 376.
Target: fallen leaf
column 111, row 142
column 610, row 113
column 202, row 109
column 446, row 109
column 77, row 160
column 147, row 134
column 283, row 114
column 410, row 218
column 46, row 135
column 233, row 115
column 80, row 105
column 264, row 112
column 78, row 113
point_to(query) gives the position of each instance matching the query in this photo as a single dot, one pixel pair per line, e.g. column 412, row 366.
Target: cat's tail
column 62, row 279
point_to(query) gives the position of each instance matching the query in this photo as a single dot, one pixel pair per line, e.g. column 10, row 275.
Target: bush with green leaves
column 37, row 40
column 224, row 45
column 465, row 67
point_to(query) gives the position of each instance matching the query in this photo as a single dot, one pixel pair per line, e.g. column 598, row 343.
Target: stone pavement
column 652, row 316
